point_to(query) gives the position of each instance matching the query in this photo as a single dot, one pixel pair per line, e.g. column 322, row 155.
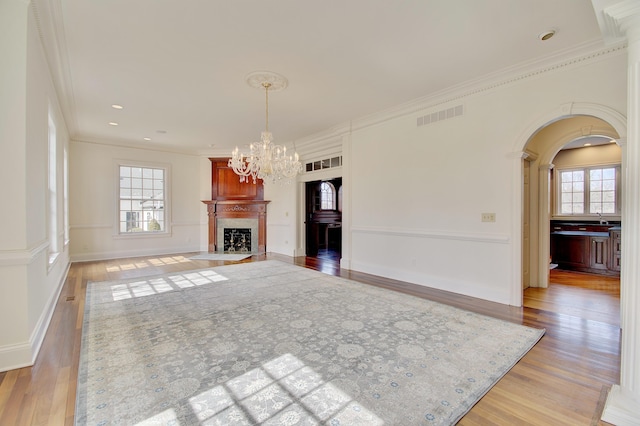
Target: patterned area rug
column 276, row 344
column 220, row 256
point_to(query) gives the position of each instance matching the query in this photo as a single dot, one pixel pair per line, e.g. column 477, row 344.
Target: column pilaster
column 623, row 403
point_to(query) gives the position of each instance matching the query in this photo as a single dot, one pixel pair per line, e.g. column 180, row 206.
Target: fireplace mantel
column 236, row 209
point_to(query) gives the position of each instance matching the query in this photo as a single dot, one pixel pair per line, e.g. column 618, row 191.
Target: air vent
column 327, row 163
column 440, row 115
column 71, row 298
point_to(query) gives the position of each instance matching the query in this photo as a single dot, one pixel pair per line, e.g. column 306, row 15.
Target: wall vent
column 327, row 163
column 440, row 115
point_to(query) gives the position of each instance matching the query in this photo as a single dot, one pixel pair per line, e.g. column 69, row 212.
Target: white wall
column 94, row 205
column 417, row 193
column 29, row 283
column 281, row 217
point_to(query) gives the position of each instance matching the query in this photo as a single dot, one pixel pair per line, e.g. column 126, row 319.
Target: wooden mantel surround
column 231, row 199
column 237, row 209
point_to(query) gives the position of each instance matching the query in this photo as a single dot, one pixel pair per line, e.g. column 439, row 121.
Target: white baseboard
column 621, row 409
column 24, row 354
column 14, row 356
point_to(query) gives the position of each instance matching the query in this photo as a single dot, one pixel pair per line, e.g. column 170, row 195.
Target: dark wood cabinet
column 584, row 247
column 614, row 240
column 599, row 253
column 570, row 251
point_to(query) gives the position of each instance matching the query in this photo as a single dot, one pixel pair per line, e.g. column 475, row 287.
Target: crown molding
column 616, row 18
column 125, row 143
column 582, row 55
column 579, row 56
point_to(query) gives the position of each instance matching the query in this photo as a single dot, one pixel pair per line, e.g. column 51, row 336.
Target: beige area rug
column 276, row 344
column 221, row 256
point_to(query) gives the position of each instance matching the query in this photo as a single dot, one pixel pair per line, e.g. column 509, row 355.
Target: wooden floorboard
column 563, row 380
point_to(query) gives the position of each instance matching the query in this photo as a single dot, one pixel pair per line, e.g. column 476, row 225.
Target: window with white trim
column 589, row 191
column 52, row 182
column 142, row 192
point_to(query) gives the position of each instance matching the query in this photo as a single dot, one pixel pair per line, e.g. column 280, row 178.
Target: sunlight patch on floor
column 148, row 263
column 282, row 391
column 151, row 286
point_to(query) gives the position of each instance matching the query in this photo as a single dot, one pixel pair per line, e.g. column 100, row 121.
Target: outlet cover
column 488, row 217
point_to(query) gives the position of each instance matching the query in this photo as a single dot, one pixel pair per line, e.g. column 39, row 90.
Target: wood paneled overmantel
column 231, row 199
column 237, row 209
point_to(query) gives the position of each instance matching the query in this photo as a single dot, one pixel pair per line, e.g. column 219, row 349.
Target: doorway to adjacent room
column 323, row 218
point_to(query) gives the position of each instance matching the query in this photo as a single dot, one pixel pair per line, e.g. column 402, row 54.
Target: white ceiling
column 179, row 66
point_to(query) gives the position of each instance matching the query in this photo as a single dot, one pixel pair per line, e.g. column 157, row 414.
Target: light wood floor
column 561, row 381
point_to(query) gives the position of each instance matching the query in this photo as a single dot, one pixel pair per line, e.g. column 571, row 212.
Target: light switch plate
column 488, row 217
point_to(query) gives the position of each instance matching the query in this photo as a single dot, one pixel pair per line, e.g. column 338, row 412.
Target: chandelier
column 265, row 160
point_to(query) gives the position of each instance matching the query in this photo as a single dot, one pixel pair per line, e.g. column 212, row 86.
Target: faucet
column 602, row 221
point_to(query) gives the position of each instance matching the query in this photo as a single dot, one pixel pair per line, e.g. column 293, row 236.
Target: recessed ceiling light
column 116, row 106
column 113, row 123
column 612, row 141
column 546, row 35
column 147, row 139
column 587, row 144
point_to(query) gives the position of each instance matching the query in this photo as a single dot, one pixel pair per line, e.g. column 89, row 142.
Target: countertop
column 582, row 234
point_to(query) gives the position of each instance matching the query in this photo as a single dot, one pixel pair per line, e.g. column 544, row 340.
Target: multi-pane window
column 142, row 199
column 572, row 192
column 602, row 190
column 324, row 164
column 589, row 191
column 327, row 196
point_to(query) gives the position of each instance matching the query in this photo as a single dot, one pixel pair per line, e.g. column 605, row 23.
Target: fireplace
column 243, row 221
column 237, row 240
column 243, row 231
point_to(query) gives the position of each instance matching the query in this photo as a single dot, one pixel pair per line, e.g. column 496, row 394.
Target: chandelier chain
column 266, row 96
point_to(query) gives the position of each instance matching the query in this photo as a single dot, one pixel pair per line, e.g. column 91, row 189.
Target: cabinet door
column 615, row 250
column 570, row 251
column 599, row 253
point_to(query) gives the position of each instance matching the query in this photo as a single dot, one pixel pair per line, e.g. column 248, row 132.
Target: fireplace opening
column 237, row 240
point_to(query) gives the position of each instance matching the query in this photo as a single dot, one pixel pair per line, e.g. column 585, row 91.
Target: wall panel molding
column 421, row 233
column 22, row 257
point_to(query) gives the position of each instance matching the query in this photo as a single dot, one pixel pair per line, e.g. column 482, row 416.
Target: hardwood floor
column 561, row 381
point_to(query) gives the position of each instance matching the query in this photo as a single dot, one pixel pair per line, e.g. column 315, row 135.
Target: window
column 52, row 182
column 327, row 163
column 602, row 191
column 142, row 199
column 572, row 190
column 327, row 196
column 65, row 190
column 589, row 191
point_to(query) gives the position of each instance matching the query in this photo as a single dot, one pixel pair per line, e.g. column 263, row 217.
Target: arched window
column 327, row 196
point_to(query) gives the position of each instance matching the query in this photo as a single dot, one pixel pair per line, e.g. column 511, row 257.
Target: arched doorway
column 544, row 142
